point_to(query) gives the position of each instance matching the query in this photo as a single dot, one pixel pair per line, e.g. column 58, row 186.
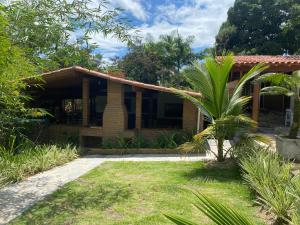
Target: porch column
column 85, row 101
column 138, row 109
column 115, row 116
column 189, row 116
column 255, row 101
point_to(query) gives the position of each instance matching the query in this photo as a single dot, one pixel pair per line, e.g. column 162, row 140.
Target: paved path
column 16, row 198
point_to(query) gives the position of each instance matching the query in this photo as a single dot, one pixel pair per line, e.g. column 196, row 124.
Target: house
column 269, row 111
column 98, row 106
column 101, row 106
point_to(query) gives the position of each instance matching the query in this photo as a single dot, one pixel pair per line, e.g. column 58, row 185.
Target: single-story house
column 96, row 106
column 101, row 106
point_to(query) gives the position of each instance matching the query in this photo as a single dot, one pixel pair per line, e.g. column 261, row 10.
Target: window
column 72, row 106
column 173, row 110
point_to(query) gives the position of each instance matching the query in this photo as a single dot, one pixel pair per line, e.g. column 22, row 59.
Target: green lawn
column 139, row 193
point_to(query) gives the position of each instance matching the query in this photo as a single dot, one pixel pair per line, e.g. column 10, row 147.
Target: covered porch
column 269, row 111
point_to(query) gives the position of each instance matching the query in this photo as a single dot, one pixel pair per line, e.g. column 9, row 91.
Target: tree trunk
column 296, row 119
column 220, row 156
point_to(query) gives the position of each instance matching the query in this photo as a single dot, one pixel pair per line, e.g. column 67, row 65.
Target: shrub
column 117, row 142
column 165, row 139
column 271, row 178
column 18, row 162
column 173, row 139
column 138, row 141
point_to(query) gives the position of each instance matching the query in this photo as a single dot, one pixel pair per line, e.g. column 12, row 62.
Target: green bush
column 272, row 180
column 116, row 142
column 20, row 161
column 173, row 139
column 165, row 139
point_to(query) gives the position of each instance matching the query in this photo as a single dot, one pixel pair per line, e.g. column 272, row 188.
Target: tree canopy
column 56, row 33
column 159, row 61
column 261, row 27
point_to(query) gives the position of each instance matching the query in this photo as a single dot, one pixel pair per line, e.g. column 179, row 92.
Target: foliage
column 222, row 107
column 249, row 31
column 217, row 212
column 165, row 139
column 13, row 68
column 158, row 61
column 284, row 84
column 168, row 139
column 19, row 161
column 48, row 29
column 138, row 193
column 295, row 192
column 271, row 178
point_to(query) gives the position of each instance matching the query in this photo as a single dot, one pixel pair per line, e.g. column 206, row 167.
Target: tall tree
column 44, row 28
column 159, row 61
column 261, row 27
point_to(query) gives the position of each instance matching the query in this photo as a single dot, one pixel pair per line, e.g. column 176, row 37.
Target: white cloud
column 132, row 6
column 109, row 46
column 200, row 18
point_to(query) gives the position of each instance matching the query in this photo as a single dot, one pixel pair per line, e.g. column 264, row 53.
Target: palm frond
column 296, row 76
column 260, row 138
column 277, row 79
column 276, row 90
column 196, row 101
column 255, row 71
column 237, row 121
column 199, row 79
column 179, row 220
column 219, row 73
column 235, row 107
column 209, row 131
column 219, row 213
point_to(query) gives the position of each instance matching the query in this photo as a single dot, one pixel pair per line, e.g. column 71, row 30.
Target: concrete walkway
column 16, row 198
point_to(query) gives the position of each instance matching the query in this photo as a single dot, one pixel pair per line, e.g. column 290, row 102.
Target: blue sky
column 200, row 18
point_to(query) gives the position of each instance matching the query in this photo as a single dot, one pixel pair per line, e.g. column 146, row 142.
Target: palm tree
column 284, row 84
column 222, row 107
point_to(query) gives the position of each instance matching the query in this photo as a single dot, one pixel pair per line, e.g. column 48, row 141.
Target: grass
column 138, row 193
column 15, row 166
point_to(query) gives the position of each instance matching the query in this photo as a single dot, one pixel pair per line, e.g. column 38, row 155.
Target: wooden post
column 255, row 101
column 138, row 109
column 85, row 101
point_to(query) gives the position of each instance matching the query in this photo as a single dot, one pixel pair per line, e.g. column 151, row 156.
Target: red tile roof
column 269, row 59
column 79, row 69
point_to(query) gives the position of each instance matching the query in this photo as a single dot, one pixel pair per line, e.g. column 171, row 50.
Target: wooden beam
column 138, row 110
column 85, row 101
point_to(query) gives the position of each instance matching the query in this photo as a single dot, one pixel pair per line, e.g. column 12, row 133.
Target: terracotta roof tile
column 269, row 59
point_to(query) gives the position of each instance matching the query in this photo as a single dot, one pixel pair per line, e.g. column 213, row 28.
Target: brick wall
column 189, row 117
column 115, row 113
